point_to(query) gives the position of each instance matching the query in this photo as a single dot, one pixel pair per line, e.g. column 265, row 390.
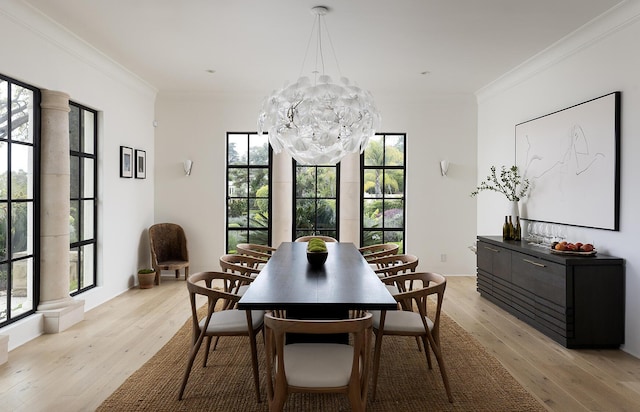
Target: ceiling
column 385, row 46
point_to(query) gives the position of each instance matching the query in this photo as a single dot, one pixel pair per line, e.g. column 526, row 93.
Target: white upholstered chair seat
column 401, row 321
column 318, row 365
column 230, row 321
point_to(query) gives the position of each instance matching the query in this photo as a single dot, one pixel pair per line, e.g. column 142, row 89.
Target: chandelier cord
column 319, row 46
column 333, row 50
column 306, row 52
column 318, row 22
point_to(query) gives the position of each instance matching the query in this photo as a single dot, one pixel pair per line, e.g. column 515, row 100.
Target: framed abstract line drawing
column 141, row 164
column 126, row 161
column 571, row 158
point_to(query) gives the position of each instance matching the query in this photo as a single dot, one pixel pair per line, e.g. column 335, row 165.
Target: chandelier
column 319, row 122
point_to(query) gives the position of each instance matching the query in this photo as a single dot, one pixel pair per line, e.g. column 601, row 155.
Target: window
column 316, row 200
column 383, row 175
column 248, row 189
column 19, row 207
column 83, row 219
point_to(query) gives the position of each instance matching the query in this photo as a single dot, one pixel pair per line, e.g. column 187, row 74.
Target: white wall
column 440, row 213
column 40, row 53
column 597, row 60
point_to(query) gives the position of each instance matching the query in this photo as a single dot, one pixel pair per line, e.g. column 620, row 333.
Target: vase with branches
column 510, row 183
column 514, row 187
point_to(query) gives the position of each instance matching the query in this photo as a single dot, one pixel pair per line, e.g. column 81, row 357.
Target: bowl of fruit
column 569, row 248
column 317, row 252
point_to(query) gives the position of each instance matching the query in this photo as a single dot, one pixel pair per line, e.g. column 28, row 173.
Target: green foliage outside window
column 383, row 199
column 248, row 181
column 316, row 200
column 18, row 215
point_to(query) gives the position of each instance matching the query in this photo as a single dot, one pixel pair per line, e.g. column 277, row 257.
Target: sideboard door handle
column 491, row 249
column 535, row 263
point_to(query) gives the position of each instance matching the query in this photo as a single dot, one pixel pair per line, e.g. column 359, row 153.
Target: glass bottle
column 506, row 232
column 512, row 230
column 517, row 235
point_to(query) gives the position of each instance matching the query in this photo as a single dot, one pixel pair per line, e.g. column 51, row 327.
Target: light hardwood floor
column 77, row 369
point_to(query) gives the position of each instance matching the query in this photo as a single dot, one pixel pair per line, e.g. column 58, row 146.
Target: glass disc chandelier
column 319, row 122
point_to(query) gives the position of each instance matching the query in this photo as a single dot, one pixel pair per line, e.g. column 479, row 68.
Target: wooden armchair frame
column 240, row 264
column 413, row 300
column 255, row 250
column 202, row 284
column 280, row 381
column 379, row 250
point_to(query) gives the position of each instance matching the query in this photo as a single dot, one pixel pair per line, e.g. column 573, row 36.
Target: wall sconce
column 444, row 167
column 188, row 164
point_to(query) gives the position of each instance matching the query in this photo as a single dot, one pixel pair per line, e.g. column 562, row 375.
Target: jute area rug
column 478, row 381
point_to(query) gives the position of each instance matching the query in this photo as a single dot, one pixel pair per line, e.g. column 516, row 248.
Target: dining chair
column 379, row 250
column 240, row 264
column 255, row 250
column 394, row 265
column 247, row 266
column 318, row 367
column 325, row 238
column 220, row 321
column 413, row 319
column 390, row 262
column 168, row 245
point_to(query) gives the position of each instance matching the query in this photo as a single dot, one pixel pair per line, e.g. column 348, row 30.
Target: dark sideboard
column 578, row 301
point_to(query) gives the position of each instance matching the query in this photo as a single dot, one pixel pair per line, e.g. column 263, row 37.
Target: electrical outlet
column 443, row 257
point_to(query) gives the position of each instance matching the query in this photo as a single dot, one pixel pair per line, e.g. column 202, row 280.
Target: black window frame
column 80, row 199
column 403, row 167
column 35, row 217
column 248, row 198
column 295, row 231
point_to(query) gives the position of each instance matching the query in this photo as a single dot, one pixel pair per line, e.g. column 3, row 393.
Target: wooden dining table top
column 344, row 282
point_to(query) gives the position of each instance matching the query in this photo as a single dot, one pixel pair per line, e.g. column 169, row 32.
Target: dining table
column 344, row 282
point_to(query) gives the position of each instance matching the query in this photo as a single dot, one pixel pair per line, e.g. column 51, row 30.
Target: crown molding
column 54, row 33
column 608, row 23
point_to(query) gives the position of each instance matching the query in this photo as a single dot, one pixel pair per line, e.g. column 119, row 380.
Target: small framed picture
column 126, row 161
column 141, row 164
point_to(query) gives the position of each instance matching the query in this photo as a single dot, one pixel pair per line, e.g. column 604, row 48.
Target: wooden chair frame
column 255, row 250
column 202, row 284
column 241, row 264
column 379, row 250
column 278, row 388
column 395, row 264
column 415, row 298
